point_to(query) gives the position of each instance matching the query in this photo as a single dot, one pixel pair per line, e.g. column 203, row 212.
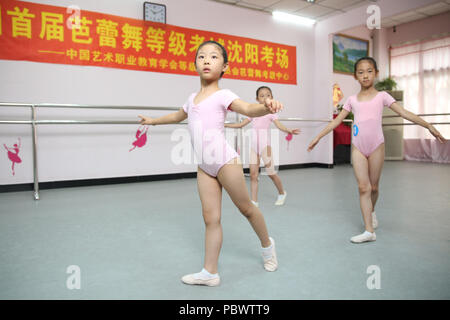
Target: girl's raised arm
column 280, row 126
column 241, row 124
column 256, row 109
column 170, row 118
column 330, row 127
column 408, row 115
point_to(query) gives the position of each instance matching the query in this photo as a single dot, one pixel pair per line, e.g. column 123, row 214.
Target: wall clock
column 155, row 12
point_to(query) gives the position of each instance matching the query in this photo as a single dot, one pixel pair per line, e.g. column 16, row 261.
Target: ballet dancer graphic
column 13, row 154
column 141, row 138
column 288, row 138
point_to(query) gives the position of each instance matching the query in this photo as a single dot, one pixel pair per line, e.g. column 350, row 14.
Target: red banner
column 43, row 33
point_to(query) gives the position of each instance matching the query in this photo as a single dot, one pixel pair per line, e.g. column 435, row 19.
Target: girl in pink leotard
column 368, row 140
column 220, row 165
column 261, row 147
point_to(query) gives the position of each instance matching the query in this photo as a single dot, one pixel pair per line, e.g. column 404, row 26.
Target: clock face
column 154, row 12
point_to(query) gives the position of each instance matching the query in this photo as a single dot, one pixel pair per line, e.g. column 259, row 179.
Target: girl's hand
column 436, row 134
column 146, row 120
column 294, row 131
column 273, row 105
column 313, row 144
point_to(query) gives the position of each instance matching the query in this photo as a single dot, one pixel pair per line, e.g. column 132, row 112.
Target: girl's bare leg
column 361, row 169
column 232, row 179
column 210, row 192
column 376, row 161
column 254, row 173
column 268, row 163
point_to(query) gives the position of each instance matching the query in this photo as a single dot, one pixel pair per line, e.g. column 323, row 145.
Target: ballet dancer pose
column 368, row 141
column 141, row 138
column 261, row 147
column 13, row 155
column 219, row 165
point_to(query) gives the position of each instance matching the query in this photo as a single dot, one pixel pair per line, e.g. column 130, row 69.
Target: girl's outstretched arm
column 174, row 117
column 280, row 126
column 408, row 115
column 256, row 109
column 331, row 126
column 241, row 124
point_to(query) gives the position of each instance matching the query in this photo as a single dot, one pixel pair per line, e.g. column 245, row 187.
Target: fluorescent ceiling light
column 281, row 16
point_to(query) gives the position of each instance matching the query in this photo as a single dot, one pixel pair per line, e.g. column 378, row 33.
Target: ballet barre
column 34, row 122
column 311, row 120
column 81, row 106
column 74, row 122
column 421, row 115
column 411, row 124
column 183, row 122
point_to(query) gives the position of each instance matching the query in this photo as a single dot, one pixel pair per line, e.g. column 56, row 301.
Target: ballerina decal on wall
column 13, row 154
column 288, row 138
column 141, row 138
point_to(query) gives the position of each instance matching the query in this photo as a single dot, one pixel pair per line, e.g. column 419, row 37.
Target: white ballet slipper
column 271, row 264
column 281, row 199
column 364, row 237
column 192, row 279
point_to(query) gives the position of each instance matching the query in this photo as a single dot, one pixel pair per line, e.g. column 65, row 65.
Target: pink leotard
column 367, row 130
column 206, row 127
column 260, row 132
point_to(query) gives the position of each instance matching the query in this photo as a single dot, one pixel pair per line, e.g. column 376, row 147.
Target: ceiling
column 427, row 11
column 323, row 9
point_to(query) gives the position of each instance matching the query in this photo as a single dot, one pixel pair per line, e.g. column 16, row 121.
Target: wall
column 99, row 151
column 381, row 52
